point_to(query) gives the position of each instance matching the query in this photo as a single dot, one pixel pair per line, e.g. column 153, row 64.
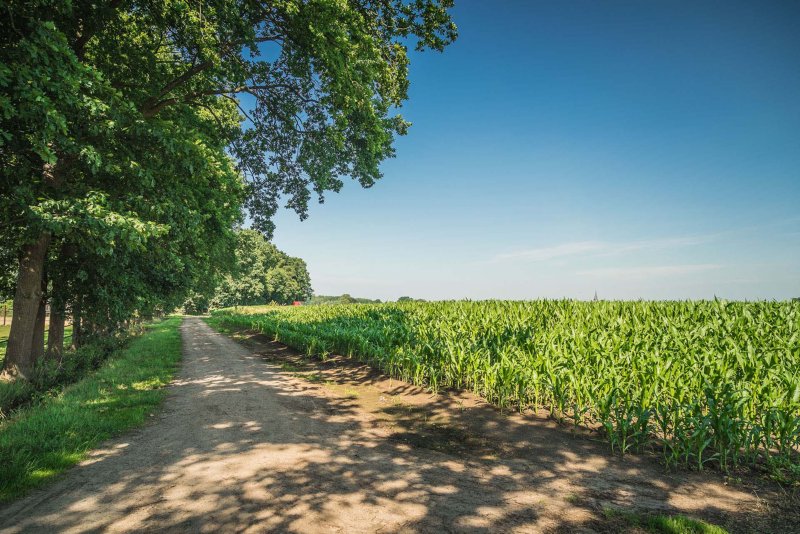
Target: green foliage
column 8, row 265
column 708, row 382
column 323, row 76
column 324, row 105
column 664, row 524
column 139, row 210
column 122, row 135
column 261, row 274
column 40, row 442
column 50, row 376
column 340, row 299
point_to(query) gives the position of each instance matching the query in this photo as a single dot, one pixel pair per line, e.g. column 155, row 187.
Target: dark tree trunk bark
column 37, row 345
column 27, row 297
column 55, row 335
column 58, row 309
column 77, row 324
column 90, row 331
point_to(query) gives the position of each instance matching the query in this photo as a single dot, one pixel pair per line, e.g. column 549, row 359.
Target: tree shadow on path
column 245, row 445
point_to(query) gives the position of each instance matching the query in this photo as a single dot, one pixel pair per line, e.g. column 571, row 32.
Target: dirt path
column 245, row 444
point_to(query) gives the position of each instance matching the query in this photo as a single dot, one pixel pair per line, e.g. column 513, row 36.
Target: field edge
column 617, row 520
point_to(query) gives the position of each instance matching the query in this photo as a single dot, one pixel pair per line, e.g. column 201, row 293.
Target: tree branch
column 154, row 104
column 240, row 108
column 85, row 35
column 152, row 109
column 213, row 114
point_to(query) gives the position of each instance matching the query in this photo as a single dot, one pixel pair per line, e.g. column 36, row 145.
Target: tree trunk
column 89, row 331
column 37, row 345
column 77, row 324
column 27, row 297
column 58, row 309
column 55, row 335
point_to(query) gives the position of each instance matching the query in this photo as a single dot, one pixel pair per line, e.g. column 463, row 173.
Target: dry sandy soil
column 254, row 437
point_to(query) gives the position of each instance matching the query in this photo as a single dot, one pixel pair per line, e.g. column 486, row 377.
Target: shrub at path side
column 40, row 442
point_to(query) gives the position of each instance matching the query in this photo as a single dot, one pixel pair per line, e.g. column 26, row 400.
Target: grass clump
column 50, row 376
column 663, row 524
column 41, row 441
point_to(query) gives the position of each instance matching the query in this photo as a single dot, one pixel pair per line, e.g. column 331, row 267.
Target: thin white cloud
column 558, row 251
column 658, row 271
column 599, row 248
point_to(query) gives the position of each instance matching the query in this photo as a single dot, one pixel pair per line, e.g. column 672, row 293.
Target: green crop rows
column 704, row 382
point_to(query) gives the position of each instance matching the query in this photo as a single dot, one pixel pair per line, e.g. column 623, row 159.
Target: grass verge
column 661, row 524
column 51, row 376
column 42, row 441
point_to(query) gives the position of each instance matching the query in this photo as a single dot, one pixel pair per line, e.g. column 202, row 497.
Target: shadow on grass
column 54, row 433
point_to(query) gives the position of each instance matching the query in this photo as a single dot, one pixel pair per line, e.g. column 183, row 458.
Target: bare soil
column 256, row 437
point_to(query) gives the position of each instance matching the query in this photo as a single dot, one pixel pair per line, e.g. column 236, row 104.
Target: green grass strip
column 41, row 442
column 663, row 524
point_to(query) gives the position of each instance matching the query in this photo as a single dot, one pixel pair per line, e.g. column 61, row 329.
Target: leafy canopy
column 133, row 131
column 262, row 274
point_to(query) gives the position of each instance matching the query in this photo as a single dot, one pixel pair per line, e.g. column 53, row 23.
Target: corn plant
column 706, row 382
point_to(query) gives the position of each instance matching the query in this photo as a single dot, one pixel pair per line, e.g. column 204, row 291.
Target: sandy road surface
column 243, row 445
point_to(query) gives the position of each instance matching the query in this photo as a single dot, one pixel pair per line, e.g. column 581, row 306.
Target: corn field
column 705, row 382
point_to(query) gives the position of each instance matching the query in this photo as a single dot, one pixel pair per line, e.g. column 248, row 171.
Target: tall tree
column 96, row 97
column 262, row 274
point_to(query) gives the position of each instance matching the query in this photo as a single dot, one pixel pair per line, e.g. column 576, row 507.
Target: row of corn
column 701, row 381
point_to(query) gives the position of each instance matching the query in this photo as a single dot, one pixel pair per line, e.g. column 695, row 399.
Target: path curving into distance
column 245, row 445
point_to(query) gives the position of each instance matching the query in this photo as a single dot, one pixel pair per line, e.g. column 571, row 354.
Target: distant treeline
column 261, row 274
column 340, row 299
column 347, row 299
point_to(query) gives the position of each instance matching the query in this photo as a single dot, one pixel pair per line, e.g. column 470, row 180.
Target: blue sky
column 636, row 149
